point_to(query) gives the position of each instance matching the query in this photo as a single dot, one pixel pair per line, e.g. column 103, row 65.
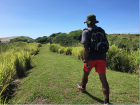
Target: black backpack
column 99, row 42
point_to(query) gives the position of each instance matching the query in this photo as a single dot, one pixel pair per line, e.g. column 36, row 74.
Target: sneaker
column 80, row 87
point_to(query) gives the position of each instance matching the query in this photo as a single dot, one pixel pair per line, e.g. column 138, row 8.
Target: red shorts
column 100, row 66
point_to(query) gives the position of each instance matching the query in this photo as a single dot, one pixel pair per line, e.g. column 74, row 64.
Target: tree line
column 125, row 41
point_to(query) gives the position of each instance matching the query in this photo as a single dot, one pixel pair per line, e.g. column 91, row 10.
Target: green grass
column 54, row 80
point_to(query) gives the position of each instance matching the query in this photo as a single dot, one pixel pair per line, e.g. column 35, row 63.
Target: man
column 93, row 59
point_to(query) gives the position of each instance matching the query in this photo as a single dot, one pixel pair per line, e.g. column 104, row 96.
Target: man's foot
column 80, row 87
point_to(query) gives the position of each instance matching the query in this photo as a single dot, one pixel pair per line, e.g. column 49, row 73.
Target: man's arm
column 86, row 51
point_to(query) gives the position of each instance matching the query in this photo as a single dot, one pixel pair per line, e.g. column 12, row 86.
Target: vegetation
column 64, row 40
column 8, row 46
column 123, row 41
column 76, row 35
column 117, row 59
column 42, row 40
column 54, row 78
column 15, row 61
column 22, row 38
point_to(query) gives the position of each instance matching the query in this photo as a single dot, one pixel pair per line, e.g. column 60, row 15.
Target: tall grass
column 117, row 59
column 78, row 52
column 14, row 62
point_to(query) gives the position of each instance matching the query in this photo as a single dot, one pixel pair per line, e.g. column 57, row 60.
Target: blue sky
column 38, row 18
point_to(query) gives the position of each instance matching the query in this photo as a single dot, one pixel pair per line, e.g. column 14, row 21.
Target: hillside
column 7, row 39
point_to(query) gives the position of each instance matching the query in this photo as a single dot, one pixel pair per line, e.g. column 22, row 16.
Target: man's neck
column 92, row 25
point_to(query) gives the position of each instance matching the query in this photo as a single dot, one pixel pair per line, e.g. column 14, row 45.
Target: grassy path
column 54, row 80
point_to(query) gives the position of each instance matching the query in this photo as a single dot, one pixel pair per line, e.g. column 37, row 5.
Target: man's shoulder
column 101, row 29
column 85, row 30
column 93, row 28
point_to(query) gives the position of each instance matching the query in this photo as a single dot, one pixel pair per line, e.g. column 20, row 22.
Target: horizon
column 48, row 36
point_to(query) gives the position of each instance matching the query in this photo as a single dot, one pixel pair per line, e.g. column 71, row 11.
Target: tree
column 76, row 35
column 22, row 38
column 55, row 34
column 64, row 40
column 31, row 41
column 42, row 40
column 52, row 36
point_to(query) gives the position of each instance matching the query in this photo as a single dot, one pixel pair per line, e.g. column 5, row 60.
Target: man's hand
column 88, row 66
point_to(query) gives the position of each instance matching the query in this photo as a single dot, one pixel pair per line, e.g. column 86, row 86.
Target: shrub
column 64, row 40
column 68, row 50
column 22, row 38
column 14, row 62
column 77, row 34
column 42, row 40
column 61, row 50
column 54, row 47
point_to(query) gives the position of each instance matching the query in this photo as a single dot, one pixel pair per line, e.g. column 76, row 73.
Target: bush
column 64, row 40
column 68, row 50
column 54, row 47
column 42, row 40
column 55, row 34
column 76, row 35
column 61, row 50
column 14, row 62
column 78, row 52
column 22, row 38
column 52, row 36
column 59, row 38
column 31, row 41
column 122, row 43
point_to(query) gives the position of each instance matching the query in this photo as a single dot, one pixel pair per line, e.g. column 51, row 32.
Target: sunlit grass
column 55, row 77
column 14, row 62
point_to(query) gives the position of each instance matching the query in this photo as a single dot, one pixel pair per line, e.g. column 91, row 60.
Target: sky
column 38, row 18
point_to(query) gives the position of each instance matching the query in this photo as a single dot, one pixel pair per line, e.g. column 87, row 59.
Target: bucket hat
column 91, row 19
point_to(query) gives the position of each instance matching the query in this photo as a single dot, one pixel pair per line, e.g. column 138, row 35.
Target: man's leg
column 84, row 82
column 105, row 86
column 85, row 78
column 82, row 86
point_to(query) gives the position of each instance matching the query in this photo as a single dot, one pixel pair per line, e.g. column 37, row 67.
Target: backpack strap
column 90, row 30
column 104, row 35
column 101, row 30
column 85, row 29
